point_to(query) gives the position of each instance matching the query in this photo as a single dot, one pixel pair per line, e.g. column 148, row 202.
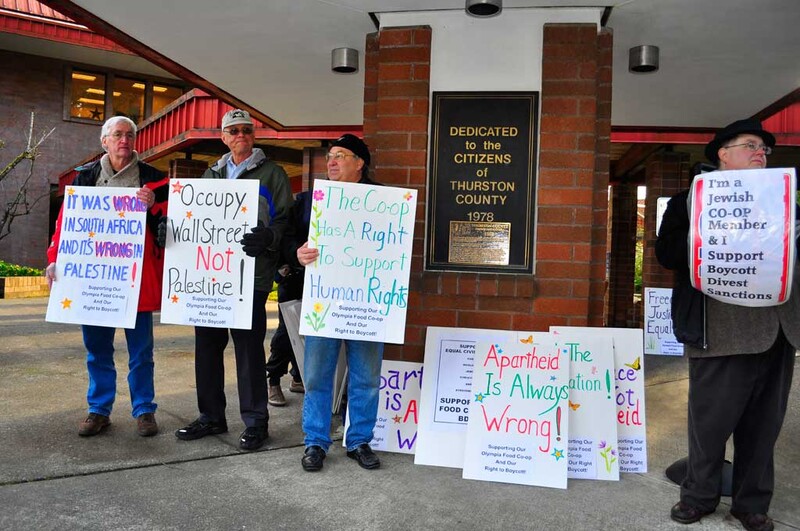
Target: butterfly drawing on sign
column 529, row 339
column 636, row 365
column 573, row 405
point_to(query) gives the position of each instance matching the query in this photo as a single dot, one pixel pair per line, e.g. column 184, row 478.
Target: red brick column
column 666, row 174
column 568, row 285
column 621, row 312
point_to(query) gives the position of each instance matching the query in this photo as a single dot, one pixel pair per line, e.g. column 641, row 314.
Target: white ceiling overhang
column 720, row 59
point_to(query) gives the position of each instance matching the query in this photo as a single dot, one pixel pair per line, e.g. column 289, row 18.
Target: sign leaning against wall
column 481, row 202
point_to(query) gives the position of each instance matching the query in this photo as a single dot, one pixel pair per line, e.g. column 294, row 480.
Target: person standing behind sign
column 275, row 197
column 120, row 167
column 348, row 161
column 739, row 383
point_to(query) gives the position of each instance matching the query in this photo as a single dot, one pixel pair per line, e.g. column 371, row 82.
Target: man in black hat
column 740, row 366
column 347, row 161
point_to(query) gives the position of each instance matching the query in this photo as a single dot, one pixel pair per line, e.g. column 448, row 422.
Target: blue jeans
column 363, row 385
column 99, row 342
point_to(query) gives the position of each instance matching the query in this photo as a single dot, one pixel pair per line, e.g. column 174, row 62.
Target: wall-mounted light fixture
column 643, row 59
column 344, row 60
column 484, row 8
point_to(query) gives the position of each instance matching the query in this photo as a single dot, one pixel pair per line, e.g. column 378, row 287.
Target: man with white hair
column 121, row 167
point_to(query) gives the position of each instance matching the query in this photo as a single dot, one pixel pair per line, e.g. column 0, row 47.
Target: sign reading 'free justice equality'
column 482, row 181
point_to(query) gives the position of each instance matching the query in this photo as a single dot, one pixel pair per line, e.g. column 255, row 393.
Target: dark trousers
column 745, row 396
column 281, row 354
column 251, row 375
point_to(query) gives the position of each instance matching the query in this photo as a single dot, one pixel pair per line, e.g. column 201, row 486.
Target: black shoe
column 253, row 438
column 199, row 429
column 683, row 513
column 754, row 521
column 313, row 458
column 365, row 456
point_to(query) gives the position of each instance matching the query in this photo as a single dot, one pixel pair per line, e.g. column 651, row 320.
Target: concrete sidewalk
column 52, row 479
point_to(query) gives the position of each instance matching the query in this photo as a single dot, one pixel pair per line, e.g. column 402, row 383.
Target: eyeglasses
column 338, row 156
column 752, row 146
column 117, row 135
column 244, row 130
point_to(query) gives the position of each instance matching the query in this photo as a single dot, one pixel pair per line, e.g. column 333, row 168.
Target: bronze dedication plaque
column 482, row 182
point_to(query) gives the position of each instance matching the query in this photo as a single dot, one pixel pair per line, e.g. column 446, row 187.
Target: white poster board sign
column 659, row 337
column 358, row 287
column 629, row 392
column 742, row 234
column 208, row 279
column 592, row 406
column 446, row 394
column 99, row 262
column 398, row 408
column 518, row 428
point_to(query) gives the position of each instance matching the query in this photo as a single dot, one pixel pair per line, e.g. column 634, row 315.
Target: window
column 128, row 98
column 88, row 96
column 92, row 96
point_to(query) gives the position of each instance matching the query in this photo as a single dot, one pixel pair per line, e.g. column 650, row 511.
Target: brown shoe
column 94, row 424
column 297, row 387
column 146, row 425
column 275, row 396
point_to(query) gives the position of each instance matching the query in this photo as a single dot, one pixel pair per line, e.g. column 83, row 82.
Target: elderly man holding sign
column 120, row 167
column 348, row 161
column 244, row 161
column 741, row 357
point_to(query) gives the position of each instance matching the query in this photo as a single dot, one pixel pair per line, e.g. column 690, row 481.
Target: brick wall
column 568, row 286
column 621, row 312
column 666, row 174
column 31, row 83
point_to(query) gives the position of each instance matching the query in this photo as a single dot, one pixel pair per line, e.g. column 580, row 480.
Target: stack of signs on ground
column 628, row 390
column 208, row 279
column 100, row 253
column 398, row 408
column 518, row 430
column 602, row 388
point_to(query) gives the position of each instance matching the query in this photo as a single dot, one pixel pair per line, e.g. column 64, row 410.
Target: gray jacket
column 274, row 201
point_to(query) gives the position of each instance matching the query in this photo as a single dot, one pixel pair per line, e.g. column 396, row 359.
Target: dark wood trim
column 776, row 107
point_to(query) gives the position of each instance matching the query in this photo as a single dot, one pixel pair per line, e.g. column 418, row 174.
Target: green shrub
column 13, row 270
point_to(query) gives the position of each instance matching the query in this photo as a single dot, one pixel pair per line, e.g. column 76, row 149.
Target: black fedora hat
column 740, row 127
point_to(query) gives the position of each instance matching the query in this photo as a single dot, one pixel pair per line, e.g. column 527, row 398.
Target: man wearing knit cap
column 347, row 161
column 263, row 242
column 740, row 366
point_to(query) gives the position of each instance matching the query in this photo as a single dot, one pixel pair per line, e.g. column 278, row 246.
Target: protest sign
column 398, row 408
column 518, row 428
column 446, row 394
column 358, row 287
column 100, row 253
column 592, row 409
column 208, row 279
column 658, row 335
column 741, row 236
column 628, row 392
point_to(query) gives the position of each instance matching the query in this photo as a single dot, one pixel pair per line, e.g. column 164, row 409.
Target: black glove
column 161, row 237
column 257, row 242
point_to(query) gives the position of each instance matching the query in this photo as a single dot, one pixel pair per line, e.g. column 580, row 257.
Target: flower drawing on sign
column 316, row 319
column 608, row 454
column 316, row 213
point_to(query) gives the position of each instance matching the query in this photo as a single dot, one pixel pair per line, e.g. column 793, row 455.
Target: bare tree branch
column 20, row 205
